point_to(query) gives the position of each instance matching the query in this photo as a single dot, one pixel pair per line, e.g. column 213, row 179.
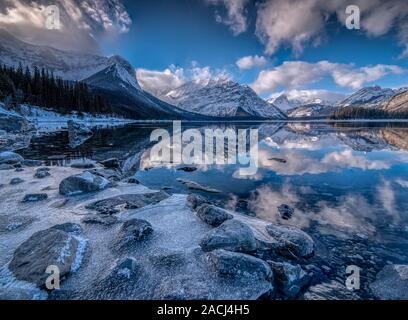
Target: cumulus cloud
column 295, row 24
column 160, row 82
column 81, row 22
column 294, row 74
column 235, row 17
column 250, row 62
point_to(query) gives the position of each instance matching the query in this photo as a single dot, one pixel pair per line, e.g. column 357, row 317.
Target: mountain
column 283, row 103
column 221, row 98
column 369, row 97
column 313, row 110
column 398, row 103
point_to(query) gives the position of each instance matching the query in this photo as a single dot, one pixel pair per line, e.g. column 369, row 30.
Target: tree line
column 40, row 88
column 366, row 113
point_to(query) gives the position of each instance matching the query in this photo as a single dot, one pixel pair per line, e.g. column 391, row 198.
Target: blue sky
column 287, row 45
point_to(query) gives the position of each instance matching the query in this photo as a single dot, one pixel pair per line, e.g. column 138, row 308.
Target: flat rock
column 34, row 197
column 232, row 235
column 391, row 283
column 212, row 215
column 130, row 201
column 289, row 279
column 329, row 291
column 82, row 183
column 291, row 242
column 196, row 186
column 44, row 248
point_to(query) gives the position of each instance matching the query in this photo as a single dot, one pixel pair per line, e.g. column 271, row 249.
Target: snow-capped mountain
column 372, row 97
column 313, row 110
column 283, row 103
column 221, row 98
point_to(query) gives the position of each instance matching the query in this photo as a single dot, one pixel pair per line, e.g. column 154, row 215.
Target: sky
column 302, row 48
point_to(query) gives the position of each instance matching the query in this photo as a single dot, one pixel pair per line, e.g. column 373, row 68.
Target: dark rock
column 285, row 211
column 19, row 170
column 130, row 201
column 133, row 180
column 290, row 279
column 232, row 235
column 292, row 242
column 82, row 183
column 196, row 186
column 15, row 181
column 127, row 268
column 44, row 248
column 167, row 259
column 83, row 165
column 32, row 163
column 134, row 230
column 110, row 174
column 106, row 220
column 212, row 215
column 9, row 157
column 391, row 283
column 42, row 173
column 329, row 291
column 69, row 227
column 35, row 197
column 78, row 133
column 111, row 163
column 195, row 200
column 227, row 263
column 187, row 169
column 278, row 160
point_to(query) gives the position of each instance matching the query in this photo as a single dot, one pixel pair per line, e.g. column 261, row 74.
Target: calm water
column 348, row 184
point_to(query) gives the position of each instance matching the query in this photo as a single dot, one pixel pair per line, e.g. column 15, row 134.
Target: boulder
column 285, row 211
column 213, row 215
column 34, row 197
column 232, row 235
column 9, row 157
column 195, row 200
column 82, row 183
column 42, row 173
column 133, row 231
column 234, row 264
column 52, row 246
column 15, row 181
column 289, row 279
column 292, row 242
column 78, row 133
column 32, row 163
column 111, row 163
column 391, row 283
column 11, row 122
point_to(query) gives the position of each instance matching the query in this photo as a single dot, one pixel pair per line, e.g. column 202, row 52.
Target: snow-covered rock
column 221, row 98
column 283, row 103
column 372, row 97
column 312, row 111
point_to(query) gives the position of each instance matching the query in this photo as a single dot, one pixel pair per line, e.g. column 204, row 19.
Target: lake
column 347, row 182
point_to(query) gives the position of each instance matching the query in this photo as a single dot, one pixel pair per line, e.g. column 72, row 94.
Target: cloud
column 294, row 74
column 82, row 23
column 250, row 62
column 296, row 24
column 235, row 17
column 160, row 82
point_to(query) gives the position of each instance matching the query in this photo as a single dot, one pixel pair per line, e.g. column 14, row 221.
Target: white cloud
column 250, row 62
column 295, row 23
column 81, row 22
column 294, row 74
column 235, row 18
column 160, row 82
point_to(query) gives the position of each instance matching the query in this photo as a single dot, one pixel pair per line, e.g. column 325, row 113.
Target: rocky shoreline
column 113, row 238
